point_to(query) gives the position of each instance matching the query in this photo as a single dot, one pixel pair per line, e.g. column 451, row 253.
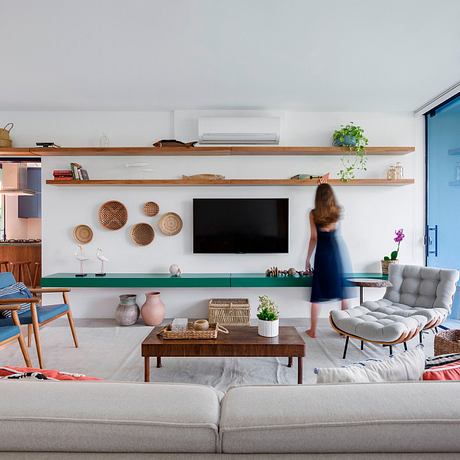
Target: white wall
column 371, row 213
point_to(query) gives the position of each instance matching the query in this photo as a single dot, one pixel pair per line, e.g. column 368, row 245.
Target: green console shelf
column 186, row 280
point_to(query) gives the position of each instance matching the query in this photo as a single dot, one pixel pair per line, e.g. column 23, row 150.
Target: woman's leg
column 314, row 320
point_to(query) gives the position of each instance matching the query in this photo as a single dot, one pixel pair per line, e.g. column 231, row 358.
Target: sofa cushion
column 401, row 367
column 108, row 417
column 375, row 417
column 449, row 371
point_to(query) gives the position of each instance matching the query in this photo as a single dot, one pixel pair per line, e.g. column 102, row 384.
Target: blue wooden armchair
column 37, row 315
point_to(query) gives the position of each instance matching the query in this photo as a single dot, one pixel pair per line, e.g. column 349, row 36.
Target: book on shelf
column 78, row 172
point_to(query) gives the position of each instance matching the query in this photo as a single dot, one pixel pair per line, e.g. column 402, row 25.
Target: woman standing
column 327, row 281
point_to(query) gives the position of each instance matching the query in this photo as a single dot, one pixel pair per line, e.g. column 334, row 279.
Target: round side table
column 368, row 282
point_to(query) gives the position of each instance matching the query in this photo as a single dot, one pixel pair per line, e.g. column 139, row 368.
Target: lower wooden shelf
column 228, row 182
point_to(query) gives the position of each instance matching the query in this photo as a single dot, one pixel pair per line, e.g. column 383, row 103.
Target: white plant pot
column 268, row 328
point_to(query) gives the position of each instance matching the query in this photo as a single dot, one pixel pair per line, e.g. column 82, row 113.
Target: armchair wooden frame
column 9, row 305
column 35, row 326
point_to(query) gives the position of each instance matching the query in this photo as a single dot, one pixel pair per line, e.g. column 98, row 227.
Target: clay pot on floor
column 153, row 310
column 127, row 312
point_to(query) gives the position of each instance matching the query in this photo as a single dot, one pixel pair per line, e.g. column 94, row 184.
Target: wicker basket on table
column 447, row 342
column 192, row 334
column 229, row 312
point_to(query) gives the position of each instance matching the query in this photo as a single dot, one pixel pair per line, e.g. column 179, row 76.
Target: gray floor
column 114, row 353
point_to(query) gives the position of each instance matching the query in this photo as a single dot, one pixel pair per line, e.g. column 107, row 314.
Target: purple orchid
column 397, row 239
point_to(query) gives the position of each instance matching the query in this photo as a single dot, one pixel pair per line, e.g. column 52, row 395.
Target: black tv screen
column 240, row 225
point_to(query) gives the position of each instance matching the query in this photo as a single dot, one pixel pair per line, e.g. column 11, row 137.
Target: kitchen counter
column 18, row 244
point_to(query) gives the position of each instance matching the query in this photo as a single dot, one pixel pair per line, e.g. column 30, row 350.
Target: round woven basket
column 5, row 143
column 5, row 132
column 447, row 342
column 83, row 234
column 142, row 234
column 170, row 224
column 113, row 215
column 151, row 209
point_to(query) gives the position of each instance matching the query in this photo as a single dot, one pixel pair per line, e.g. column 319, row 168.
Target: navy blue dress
column 327, row 283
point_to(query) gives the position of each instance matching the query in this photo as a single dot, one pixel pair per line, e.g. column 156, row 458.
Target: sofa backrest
column 6, row 279
column 418, row 286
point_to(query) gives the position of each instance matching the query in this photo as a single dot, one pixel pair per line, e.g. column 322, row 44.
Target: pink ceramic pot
column 153, row 310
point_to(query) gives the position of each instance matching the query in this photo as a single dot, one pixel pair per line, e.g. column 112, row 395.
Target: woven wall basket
column 83, row 234
column 170, row 224
column 113, row 215
column 151, row 209
column 142, row 234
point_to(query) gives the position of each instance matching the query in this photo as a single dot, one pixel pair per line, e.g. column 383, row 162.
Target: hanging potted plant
column 393, row 257
column 268, row 317
column 352, row 137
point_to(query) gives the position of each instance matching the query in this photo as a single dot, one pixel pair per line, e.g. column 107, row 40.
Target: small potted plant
column 268, row 315
column 352, row 137
column 393, row 257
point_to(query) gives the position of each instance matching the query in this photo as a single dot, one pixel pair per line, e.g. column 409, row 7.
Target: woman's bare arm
column 312, row 243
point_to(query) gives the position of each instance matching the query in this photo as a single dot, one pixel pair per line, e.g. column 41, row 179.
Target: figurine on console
column 175, row 270
column 103, row 259
column 80, row 256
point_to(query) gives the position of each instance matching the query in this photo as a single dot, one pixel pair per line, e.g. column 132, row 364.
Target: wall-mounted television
column 240, row 225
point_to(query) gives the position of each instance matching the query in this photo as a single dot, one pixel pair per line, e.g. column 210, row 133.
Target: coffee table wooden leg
column 299, row 370
column 146, row 368
column 158, row 361
column 290, row 361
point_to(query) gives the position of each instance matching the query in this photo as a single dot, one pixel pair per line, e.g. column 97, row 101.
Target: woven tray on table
column 192, row 334
column 447, row 342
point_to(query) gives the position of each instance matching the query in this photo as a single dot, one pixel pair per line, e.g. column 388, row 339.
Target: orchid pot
column 393, row 257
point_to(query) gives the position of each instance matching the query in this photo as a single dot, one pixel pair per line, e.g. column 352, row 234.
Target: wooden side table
column 368, row 282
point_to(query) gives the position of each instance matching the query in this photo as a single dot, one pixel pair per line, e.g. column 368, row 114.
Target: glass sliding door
column 443, row 189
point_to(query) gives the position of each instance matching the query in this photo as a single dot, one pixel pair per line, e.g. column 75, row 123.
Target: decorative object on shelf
column 391, row 173
column 113, row 215
column 393, row 258
column 153, row 310
column 192, row 334
column 83, row 233
column 399, row 171
column 179, row 324
column 5, row 140
column 62, row 174
column 447, row 342
column 321, row 179
column 104, row 141
column 151, row 209
column 268, row 317
column 201, row 325
column 175, row 270
column 229, row 312
column 173, row 143
column 103, row 259
column 142, row 234
column 274, row 272
column 204, row 177
column 47, row 145
column 170, row 224
column 352, row 137
column 80, row 256
column 127, row 312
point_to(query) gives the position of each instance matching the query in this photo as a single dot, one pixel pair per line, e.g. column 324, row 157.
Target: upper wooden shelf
column 198, row 151
column 242, row 182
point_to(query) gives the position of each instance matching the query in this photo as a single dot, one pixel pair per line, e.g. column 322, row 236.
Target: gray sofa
column 131, row 420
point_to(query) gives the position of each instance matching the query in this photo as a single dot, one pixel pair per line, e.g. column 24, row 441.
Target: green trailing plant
column 267, row 310
column 352, row 137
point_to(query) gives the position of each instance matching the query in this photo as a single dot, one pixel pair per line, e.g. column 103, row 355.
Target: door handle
column 429, row 241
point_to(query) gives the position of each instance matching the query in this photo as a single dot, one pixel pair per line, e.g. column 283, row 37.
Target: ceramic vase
column 386, row 265
column 127, row 312
column 268, row 328
column 153, row 310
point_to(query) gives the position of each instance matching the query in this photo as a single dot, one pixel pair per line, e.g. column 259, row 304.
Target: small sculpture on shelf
column 175, row 270
column 274, row 272
column 103, row 259
column 80, row 256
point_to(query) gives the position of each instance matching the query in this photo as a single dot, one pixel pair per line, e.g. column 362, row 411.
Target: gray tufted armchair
column 420, row 298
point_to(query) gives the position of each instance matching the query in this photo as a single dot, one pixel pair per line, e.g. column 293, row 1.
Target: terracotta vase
column 127, row 312
column 153, row 310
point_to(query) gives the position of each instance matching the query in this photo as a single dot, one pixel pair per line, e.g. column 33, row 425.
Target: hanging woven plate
column 170, row 223
column 142, row 234
column 151, row 209
column 113, row 215
column 83, row 234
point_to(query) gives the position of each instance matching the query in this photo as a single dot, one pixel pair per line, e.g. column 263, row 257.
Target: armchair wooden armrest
column 46, row 290
column 9, row 307
column 19, row 301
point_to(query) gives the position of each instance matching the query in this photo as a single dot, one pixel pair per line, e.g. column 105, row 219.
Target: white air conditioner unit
column 239, row 130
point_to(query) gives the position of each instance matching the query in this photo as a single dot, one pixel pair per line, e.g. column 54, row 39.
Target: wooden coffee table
column 242, row 341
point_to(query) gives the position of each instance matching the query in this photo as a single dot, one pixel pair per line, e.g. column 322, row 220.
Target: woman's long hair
column 326, row 211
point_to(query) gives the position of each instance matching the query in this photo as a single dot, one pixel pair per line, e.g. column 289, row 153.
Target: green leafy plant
column 352, row 137
column 397, row 239
column 267, row 310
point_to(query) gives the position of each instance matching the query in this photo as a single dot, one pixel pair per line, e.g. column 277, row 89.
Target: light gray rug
column 114, row 353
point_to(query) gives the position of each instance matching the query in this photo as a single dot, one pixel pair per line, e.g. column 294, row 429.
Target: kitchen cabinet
column 31, row 206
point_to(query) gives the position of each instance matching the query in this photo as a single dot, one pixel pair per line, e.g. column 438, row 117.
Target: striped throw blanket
column 15, row 291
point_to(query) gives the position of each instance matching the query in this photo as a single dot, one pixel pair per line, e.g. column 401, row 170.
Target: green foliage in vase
column 267, row 310
column 352, row 137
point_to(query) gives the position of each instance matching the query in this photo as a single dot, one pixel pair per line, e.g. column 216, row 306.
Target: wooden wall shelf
column 228, row 182
column 198, row 151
